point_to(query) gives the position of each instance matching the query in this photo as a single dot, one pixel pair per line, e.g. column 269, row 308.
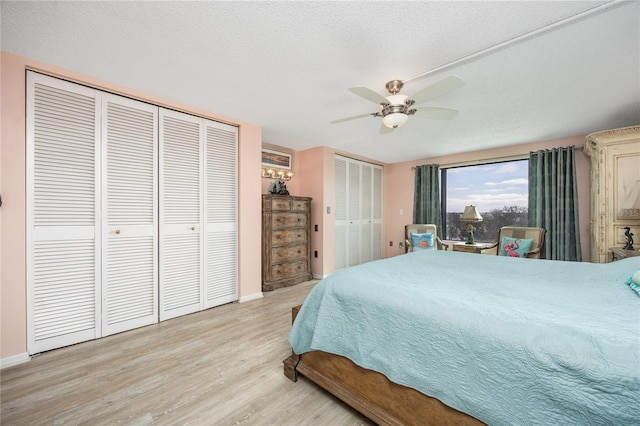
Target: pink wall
column 293, row 186
column 399, row 184
column 13, row 329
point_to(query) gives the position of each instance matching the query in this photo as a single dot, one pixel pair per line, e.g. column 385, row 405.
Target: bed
column 436, row 337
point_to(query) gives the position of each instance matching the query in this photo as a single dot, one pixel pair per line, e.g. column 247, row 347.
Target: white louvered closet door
column 181, row 212
column 130, row 214
column 353, row 213
column 358, row 212
column 340, row 213
column 376, row 239
column 221, row 228
column 366, row 221
column 63, row 247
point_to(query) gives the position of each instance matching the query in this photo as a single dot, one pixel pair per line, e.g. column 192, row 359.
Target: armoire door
column 181, row 212
column 130, row 214
column 63, row 212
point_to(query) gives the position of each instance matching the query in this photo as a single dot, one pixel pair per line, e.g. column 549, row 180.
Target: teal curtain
column 426, row 196
column 553, row 201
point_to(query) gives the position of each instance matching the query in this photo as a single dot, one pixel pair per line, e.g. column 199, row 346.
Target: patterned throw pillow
column 634, row 282
column 514, row 247
column 422, row 241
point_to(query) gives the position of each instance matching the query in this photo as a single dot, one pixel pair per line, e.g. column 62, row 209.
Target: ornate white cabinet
column 615, row 189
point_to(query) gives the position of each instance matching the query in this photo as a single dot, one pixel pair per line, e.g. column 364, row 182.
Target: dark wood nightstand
column 470, row 248
column 618, row 253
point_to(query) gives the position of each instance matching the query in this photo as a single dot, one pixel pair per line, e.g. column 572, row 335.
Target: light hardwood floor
column 222, row 366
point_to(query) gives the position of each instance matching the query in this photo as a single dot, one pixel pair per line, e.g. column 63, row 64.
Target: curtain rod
column 489, row 160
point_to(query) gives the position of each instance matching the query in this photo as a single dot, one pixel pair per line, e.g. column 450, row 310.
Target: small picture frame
column 276, row 159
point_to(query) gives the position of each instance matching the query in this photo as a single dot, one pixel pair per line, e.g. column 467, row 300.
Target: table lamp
column 470, row 215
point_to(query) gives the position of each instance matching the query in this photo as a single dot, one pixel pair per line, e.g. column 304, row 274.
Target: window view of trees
column 487, row 230
column 498, row 190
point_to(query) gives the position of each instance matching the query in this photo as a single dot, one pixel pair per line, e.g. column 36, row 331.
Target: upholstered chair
column 519, row 241
column 421, row 239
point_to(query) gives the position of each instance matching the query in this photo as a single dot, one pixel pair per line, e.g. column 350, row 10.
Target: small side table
column 618, row 253
column 470, row 248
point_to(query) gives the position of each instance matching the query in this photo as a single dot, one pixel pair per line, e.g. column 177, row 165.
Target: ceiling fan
column 396, row 109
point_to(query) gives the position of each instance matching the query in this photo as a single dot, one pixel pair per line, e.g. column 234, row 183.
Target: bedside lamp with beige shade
column 470, row 215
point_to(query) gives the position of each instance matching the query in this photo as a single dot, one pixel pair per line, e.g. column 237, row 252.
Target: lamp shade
column 396, row 119
column 471, row 214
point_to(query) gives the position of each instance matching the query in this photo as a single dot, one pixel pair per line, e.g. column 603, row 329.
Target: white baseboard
column 253, row 296
column 318, row 276
column 14, row 360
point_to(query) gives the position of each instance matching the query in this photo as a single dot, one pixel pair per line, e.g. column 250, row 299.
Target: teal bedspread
column 508, row 341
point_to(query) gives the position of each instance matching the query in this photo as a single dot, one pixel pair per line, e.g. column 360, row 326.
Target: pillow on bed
column 514, row 247
column 634, row 282
column 422, row 241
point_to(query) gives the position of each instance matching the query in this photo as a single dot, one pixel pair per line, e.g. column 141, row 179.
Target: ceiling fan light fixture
column 394, row 120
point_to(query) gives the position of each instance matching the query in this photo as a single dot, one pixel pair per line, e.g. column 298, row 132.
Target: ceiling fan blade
column 340, row 120
column 438, row 89
column 369, row 94
column 384, row 130
column 435, row 113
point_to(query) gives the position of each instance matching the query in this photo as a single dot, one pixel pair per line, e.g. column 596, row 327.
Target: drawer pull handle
column 299, row 251
column 299, row 219
column 117, row 231
column 193, row 228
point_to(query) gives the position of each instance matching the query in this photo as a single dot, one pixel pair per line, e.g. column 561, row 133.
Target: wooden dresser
column 286, row 241
column 615, row 186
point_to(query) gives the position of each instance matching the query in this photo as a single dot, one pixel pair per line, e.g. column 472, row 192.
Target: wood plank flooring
column 222, row 366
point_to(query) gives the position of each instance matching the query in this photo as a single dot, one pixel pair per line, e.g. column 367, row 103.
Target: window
column 498, row 190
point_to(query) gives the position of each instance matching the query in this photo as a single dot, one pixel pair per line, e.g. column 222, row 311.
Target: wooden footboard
column 370, row 392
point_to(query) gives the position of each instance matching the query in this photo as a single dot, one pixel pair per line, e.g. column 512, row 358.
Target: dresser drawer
column 285, row 236
column 287, row 253
column 286, row 270
column 280, row 204
column 300, row 205
column 287, row 220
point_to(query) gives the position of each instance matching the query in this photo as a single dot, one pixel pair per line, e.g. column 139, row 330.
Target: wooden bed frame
column 371, row 393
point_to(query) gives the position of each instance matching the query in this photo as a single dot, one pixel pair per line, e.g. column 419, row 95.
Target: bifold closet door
column 366, row 222
column 198, row 214
column 181, row 211
column 358, row 212
column 376, row 238
column 63, row 239
column 340, row 213
column 221, row 230
column 130, row 214
column 353, row 213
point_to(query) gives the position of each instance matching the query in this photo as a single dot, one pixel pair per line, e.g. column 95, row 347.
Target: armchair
column 514, row 247
column 423, row 229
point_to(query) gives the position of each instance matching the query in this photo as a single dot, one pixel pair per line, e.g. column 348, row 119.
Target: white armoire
column 615, row 189
column 131, row 213
column 358, row 212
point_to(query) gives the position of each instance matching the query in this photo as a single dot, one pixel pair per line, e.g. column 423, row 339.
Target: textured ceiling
column 559, row 68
